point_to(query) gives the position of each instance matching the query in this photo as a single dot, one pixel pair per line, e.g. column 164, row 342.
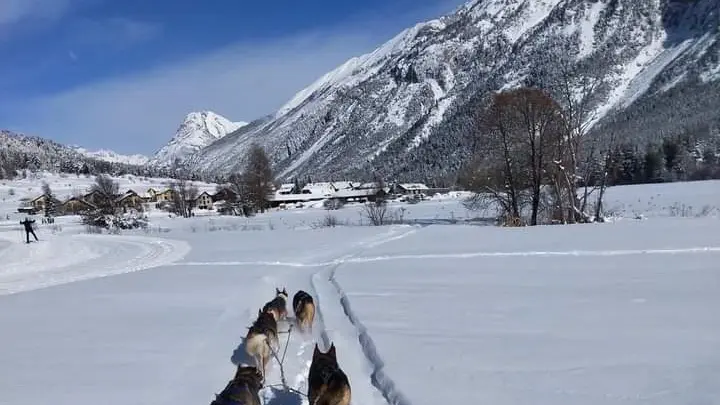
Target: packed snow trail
column 343, row 330
column 329, row 326
column 70, row 258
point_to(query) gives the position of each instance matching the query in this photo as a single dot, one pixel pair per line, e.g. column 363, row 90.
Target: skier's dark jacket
column 28, row 224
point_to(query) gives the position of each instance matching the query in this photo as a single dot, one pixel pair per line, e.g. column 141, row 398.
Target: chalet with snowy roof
column 224, row 194
column 204, row 201
column 167, row 195
column 410, row 188
column 76, row 205
column 39, row 203
column 343, row 185
column 285, row 189
column 323, row 190
column 130, row 199
column 150, row 195
column 94, row 197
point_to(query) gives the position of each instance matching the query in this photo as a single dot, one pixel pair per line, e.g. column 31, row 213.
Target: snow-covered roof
column 357, row 193
column 325, row 189
column 366, row 186
column 285, row 188
column 343, row 185
column 413, row 186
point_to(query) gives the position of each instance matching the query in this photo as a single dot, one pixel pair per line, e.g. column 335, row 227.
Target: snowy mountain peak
column 198, row 130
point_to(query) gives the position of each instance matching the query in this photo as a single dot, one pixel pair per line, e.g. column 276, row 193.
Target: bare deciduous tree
column 257, row 179
column 376, row 212
column 184, row 195
column 521, row 134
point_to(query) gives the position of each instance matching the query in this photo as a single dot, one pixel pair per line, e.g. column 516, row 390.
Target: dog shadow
column 282, row 397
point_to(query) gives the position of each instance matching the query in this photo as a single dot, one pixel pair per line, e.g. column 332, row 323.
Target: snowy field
column 441, row 311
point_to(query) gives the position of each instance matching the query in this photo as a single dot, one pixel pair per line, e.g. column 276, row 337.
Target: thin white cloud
column 13, row 11
column 140, row 113
column 113, row 31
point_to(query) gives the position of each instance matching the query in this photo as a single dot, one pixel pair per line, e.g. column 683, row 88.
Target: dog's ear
column 259, row 312
column 317, row 351
column 332, row 352
column 284, row 291
column 277, row 291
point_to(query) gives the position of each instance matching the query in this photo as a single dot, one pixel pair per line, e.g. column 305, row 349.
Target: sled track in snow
column 379, row 378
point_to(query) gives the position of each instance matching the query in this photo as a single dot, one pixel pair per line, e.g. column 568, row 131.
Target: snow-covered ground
column 427, row 313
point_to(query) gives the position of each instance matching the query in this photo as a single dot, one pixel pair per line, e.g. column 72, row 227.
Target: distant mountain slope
column 22, row 152
column 406, row 110
column 113, row 157
column 198, row 130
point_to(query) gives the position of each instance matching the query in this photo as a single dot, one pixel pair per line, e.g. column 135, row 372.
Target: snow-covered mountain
column 22, row 152
column 113, row 157
column 406, row 110
column 198, row 130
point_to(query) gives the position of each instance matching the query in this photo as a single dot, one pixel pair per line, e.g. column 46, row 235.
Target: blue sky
column 122, row 74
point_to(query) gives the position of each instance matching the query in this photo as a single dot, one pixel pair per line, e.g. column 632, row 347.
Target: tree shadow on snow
column 278, row 396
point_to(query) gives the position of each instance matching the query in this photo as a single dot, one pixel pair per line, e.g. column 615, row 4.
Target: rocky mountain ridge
column 405, row 111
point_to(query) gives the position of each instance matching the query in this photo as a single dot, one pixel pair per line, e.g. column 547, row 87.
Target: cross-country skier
column 29, row 229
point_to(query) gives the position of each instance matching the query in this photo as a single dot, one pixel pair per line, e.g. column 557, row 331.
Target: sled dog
column 304, row 308
column 278, row 306
column 262, row 332
column 327, row 383
column 243, row 389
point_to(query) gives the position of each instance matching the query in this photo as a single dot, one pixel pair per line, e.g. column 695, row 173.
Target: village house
column 410, row 189
column 150, row 195
column 285, row 189
column 130, row 199
column 166, row 195
column 39, row 203
column 204, row 201
column 76, row 205
column 94, row 197
column 224, row 194
column 319, row 190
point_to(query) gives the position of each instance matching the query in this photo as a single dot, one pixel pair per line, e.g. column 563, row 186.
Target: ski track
column 83, row 257
column 466, row 255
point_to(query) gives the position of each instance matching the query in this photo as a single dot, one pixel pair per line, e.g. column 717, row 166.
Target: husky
column 278, row 306
column 304, row 308
column 243, row 389
column 260, row 337
column 327, row 383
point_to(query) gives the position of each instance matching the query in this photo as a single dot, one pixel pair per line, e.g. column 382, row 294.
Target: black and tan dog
column 243, row 389
column 327, row 383
column 263, row 331
column 278, row 306
column 304, row 308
